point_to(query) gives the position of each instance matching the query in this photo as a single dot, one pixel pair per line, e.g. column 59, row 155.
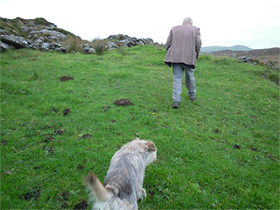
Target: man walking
column 183, row 45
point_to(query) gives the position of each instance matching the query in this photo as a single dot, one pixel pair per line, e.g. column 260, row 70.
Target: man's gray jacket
column 183, row 45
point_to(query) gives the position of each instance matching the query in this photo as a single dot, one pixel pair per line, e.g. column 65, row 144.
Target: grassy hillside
column 220, row 151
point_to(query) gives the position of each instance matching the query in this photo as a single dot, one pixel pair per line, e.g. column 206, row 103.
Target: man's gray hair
column 188, row 19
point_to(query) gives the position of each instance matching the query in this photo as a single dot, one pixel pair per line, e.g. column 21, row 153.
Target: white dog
column 123, row 184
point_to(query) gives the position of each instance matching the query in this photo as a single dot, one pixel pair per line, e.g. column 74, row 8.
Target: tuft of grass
column 100, row 46
column 42, row 21
column 75, row 44
column 122, row 50
column 100, row 49
column 220, row 151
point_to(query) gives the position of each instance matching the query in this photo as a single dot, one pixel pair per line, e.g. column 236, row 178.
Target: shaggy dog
column 124, row 180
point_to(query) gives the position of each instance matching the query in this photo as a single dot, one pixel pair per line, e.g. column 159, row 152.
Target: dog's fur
column 124, row 180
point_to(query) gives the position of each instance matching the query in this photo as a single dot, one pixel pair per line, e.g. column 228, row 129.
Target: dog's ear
column 150, row 146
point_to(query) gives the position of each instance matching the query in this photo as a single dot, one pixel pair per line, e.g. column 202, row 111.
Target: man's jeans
column 178, row 73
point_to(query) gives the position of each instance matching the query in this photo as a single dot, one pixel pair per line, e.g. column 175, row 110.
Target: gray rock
column 149, row 41
column 36, row 43
column 31, row 23
column 87, row 49
column 4, row 47
column 245, row 59
column 57, row 44
column 57, row 34
column 64, row 49
column 52, row 47
column 142, row 43
column 4, row 32
column 44, row 46
column 124, row 43
column 112, row 45
column 53, row 38
column 16, row 41
column 119, row 37
column 25, row 29
column 91, row 50
column 58, row 49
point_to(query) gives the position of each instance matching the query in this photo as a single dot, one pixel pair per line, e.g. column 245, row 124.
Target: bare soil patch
column 123, row 102
column 65, row 78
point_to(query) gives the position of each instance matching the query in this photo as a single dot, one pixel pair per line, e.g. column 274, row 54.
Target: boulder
column 91, row 50
column 15, row 41
column 44, row 46
column 87, row 49
column 4, row 46
column 112, row 45
column 54, row 34
column 247, row 59
column 4, row 32
column 25, row 29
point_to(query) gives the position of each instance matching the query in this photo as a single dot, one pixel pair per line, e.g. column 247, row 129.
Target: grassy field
column 218, row 152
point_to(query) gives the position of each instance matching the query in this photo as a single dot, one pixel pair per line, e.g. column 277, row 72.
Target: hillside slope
column 219, row 151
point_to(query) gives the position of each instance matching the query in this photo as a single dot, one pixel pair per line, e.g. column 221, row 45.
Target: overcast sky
column 255, row 24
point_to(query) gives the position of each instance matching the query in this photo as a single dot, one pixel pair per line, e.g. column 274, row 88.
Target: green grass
column 220, row 151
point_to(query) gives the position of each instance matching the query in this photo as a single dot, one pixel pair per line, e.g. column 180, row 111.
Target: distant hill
column 219, row 48
column 264, row 55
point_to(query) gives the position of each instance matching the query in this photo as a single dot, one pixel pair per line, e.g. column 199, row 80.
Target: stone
column 4, row 46
column 87, row 49
column 16, row 41
column 58, row 49
column 25, row 29
column 91, row 50
column 4, row 32
column 57, row 44
column 57, row 34
column 44, row 46
column 63, row 49
column 31, row 23
column 43, row 35
column 112, row 45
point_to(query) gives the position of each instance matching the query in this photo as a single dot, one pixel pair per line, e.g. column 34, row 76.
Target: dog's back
column 124, row 180
column 104, row 197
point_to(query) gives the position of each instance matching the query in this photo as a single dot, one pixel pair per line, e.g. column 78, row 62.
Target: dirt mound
column 65, row 78
column 123, row 102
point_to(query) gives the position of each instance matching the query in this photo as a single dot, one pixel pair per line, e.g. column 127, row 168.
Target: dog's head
column 142, row 148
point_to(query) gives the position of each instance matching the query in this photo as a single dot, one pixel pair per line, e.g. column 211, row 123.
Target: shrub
column 100, row 49
column 100, row 46
column 74, row 43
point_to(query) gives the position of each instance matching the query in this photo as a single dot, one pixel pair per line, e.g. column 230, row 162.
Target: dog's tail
column 98, row 190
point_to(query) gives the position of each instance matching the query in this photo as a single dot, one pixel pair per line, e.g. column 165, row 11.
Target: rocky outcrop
column 15, row 41
column 126, row 41
column 39, row 34
column 247, row 59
